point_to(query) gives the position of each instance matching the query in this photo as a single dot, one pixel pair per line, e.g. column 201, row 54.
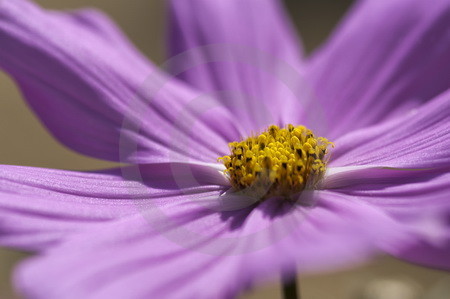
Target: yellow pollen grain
column 278, row 162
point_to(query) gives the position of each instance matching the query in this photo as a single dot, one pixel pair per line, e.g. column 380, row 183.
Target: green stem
column 290, row 289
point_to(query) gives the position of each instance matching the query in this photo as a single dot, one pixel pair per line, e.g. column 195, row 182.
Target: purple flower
column 168, row 224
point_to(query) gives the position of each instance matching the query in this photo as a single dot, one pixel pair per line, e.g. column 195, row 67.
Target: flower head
column 175, row 222
column 278, row 162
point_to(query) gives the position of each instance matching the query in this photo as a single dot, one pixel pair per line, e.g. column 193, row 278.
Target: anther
column 278, row 162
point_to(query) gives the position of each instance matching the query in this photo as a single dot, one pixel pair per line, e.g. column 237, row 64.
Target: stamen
column 278, row 162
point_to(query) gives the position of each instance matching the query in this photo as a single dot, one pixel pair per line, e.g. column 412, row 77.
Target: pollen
column 279, row 162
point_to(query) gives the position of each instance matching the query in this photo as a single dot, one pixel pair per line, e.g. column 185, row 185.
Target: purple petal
column 244, row 52
column 206, row 254
column 386, row 57
column 413, row 186
column 428, row 254
column 398, row 190
column 419, row 140
column 39, row 207
column 418, row 200
column 99, row 96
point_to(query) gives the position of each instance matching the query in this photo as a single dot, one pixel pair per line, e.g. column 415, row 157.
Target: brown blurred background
column 25, row 142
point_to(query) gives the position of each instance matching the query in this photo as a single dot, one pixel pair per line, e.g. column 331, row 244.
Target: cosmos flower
column 332, row 159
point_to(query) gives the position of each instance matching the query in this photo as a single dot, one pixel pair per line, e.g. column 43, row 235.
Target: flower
column 168, row 224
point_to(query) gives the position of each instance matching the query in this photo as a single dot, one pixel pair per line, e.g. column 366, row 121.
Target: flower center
column 278, row 162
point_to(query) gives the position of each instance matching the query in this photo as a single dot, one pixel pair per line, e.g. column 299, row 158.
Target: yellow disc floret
column 278, row 162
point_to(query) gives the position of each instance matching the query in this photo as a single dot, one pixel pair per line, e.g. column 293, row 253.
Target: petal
column 396, row 190
column 206, row 254
column 98, row 95
column 40, row 207
column 244, row 52
column 428, row 254
column 413, row 183
column 419, row 140
column 368, row 176
column 386, row 57
column 415, row 199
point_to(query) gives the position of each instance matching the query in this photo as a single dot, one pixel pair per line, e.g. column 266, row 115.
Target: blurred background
column 25, row 142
